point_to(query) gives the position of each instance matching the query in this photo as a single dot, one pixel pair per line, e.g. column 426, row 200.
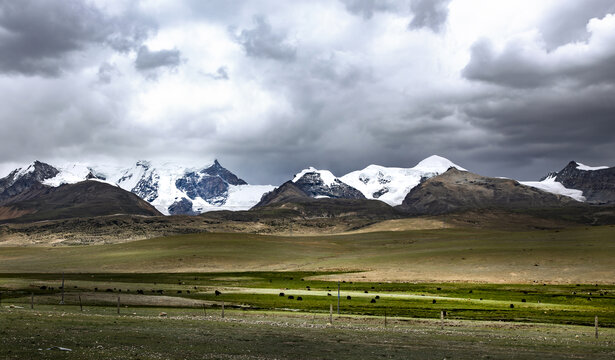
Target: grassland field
column 555, row 280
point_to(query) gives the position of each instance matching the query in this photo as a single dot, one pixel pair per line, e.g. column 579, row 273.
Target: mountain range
column 434, row 185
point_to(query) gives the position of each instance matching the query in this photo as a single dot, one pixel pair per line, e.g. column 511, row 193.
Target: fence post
column 223, row 309
column 330, row 313
column 62, row 301
column 338, row 298
column 596, row 324
column 118, row 305
column 204, row 311
column 32, row 301
column 80, row 305
column 385, row 318
column 442, row 319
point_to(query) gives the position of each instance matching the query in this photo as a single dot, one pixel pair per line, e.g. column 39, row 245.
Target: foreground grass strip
column 272, row 335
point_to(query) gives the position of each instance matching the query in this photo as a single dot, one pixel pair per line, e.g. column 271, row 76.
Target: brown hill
column 287, row 192
column 84, row 199
column 457, row 190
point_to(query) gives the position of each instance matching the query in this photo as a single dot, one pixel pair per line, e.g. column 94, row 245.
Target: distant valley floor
column 572, row 255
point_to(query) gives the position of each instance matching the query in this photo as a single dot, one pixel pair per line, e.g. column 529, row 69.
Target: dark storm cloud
column 61, row 117
column 431, row 14
column 263, row 41
column 567, row 22
column 149, row 60
column 576, row 118
column 367, row 8
column 523, row 65
column 549, row 108
column 36, row 37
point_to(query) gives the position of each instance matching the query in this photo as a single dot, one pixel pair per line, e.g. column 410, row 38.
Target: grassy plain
column 574, row 255
column 536, row 292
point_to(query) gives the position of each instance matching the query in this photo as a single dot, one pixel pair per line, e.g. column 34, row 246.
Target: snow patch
column 550, row 185
column 590, row 168
column 24, row 170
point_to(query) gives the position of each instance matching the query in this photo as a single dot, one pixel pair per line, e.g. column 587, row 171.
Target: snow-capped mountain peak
column 25, row 178
column 326, row 176
column 323, row 184
column 73, row 173
column 391, row 184
column 436, row 164
column 171, row 187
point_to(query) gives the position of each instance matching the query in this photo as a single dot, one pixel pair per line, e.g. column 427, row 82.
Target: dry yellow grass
column 583, row 255
column 421, row 223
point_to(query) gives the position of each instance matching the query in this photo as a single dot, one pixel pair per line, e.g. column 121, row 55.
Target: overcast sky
column 503, row 88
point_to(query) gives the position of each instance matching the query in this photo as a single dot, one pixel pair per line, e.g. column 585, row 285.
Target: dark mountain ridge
column 85, row 199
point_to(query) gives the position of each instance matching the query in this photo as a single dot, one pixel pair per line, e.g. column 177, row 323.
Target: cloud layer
column 514, row 89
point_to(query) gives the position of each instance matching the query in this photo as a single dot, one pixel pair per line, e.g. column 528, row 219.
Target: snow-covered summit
column 70, row 173
column 436, row 164
column 392, row 184
column 323, row 184
column 326, row 176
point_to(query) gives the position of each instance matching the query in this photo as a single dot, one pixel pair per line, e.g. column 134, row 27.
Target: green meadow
column 298, row 291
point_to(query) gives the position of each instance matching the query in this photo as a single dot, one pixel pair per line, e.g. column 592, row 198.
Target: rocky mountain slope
column 596, row 183
column 457, row 190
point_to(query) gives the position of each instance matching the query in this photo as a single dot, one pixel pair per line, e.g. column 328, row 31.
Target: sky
column 503, row 88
